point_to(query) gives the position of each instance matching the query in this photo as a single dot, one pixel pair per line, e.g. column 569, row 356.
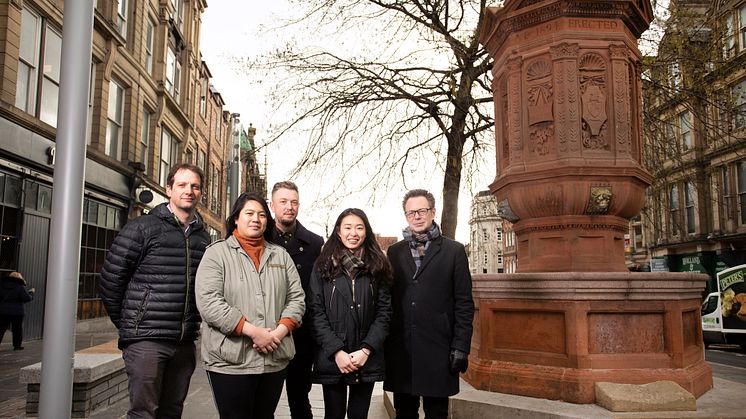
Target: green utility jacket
column 228, row 286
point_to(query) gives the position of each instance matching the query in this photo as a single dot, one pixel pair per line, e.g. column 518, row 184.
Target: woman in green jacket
column 250, row 297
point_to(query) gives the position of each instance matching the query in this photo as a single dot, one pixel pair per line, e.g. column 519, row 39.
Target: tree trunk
column 451, row 187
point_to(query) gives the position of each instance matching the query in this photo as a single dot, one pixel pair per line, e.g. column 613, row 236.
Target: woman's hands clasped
column 265, row 340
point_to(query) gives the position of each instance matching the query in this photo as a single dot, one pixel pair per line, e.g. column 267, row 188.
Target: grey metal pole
column 55, row 399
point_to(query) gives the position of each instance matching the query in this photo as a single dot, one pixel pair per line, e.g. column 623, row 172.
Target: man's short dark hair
column 285, row 184
column 414, row 193
column 185, row 166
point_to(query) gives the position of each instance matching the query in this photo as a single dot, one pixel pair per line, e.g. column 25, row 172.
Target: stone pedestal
column 554, row 335
column 566, row 85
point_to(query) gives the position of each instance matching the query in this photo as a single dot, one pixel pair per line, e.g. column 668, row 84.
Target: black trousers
column 336, row 403
column 16, row 324
column 246, row 396
column 298, row 382
column 407, row 406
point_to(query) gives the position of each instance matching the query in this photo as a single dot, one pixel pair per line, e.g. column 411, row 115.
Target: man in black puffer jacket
column 147, row 287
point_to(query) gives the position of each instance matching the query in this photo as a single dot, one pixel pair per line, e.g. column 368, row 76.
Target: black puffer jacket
column 147, row 282
column 339, row 323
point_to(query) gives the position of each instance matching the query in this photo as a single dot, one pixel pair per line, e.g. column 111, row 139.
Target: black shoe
column 18, row 348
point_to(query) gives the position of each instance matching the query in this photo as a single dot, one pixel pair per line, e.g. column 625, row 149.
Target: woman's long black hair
column 230, row 222
column 376, row 263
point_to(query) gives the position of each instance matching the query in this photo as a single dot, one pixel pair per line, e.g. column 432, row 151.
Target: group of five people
column 278, row 305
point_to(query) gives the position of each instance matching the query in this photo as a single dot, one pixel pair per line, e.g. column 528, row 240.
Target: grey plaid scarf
column 352, row 264
column 419, row 242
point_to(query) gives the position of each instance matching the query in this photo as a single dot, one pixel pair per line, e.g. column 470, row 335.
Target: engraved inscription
column 592, row 24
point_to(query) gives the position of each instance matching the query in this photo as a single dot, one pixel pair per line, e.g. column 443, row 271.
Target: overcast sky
column 249, row 28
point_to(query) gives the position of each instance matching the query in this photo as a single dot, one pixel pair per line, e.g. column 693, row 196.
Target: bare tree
column 415, row 85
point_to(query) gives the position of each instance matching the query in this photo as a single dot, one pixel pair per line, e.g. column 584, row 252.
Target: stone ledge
column 652, row 397
column 87, row 367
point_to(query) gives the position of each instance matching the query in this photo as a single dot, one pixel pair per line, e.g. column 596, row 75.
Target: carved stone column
column 568, row 130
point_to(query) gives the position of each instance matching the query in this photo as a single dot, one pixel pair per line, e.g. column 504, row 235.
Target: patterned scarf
column 419, row 242
column 352, row 263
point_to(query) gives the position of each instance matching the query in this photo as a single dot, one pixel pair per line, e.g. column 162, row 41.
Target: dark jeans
column 246, row 396
column 336, row 402
column 298, row 382
column 407, row 406
column 16, row 324
column 159, row 374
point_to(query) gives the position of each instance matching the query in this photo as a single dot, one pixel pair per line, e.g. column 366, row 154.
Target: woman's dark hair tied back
column 230, row 222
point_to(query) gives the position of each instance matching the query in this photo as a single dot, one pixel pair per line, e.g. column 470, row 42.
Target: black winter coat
column 432, row 314
column 339, row 323
column 12, row 298
column 303, row 250
column 147, row 282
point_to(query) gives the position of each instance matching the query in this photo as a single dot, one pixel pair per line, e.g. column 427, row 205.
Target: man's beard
column 286, row 222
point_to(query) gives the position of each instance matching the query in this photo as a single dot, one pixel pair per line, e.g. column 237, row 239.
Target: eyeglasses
column 421, row 212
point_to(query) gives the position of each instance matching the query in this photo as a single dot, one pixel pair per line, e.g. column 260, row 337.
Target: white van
column 723, row 318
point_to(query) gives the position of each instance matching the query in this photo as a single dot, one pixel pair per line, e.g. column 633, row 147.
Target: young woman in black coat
column 350, row 307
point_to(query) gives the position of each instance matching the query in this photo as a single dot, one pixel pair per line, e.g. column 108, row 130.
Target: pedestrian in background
column 304, row 247
column 147, row 287
column 13, row 295
column 350, row 308
column 251, row 299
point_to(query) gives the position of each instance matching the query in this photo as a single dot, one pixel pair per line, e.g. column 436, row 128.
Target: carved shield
column 594, row 108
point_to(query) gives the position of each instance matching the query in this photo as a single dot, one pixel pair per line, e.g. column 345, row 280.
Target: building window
column 742, row 26
column 91, row 90
column 169, row 146
column 10, row 220
column 115, row 118
column 178, row 16
column 689, row 204
column 50, row 85
column 499, row 234
column 149, row 44
column 674, row 75
column 201, row 160
column 122, row 18
column 218, row 127
column 670, row 140
column 203, row 98
column 214, row 234
column 484, row 234
column 28, row 62
column 40, row 47
column 685, row 127
column 101, row 222
column 673, row 206
column 727, row 193
column 147, row 117
column 738, row 96
column 741, row 175
column 189, row 156
column 215, row 189
column 173, row 73
column 729, row 38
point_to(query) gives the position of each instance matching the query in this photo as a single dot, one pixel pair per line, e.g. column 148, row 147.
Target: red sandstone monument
column 568, row 141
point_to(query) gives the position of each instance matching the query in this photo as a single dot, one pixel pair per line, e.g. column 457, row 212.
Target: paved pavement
column 721, row 402
column 199, row 403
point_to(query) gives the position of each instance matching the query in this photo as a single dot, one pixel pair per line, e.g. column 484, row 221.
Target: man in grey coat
column 433, row 309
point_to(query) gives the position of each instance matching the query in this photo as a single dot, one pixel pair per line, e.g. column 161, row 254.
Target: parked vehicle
column 724, row 311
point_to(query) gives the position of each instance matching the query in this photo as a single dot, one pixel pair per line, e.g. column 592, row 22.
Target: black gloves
column 459, row 361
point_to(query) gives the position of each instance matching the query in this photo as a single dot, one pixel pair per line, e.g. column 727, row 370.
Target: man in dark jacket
column 147, row 287
column 433, row 309
column 304, row 247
